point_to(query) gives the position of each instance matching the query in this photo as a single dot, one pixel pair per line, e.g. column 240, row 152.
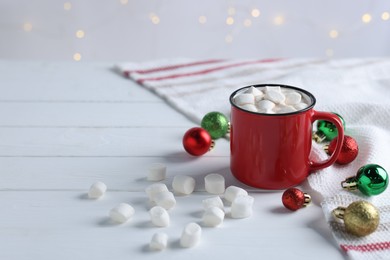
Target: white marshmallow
column 258, row 98
column 285, row 109
column 183, row 184
column 273, row 88
column 213, row 217
column 233, row 192
column 242, row 99
column 301, row 106
column 97, row 190
column 276, row 99
column 268, row 112
column 157, row 172
column 265, row 105
column 122, row 212
column 155, row 188
column 249, row 107
column 293, row 98
column 214, row 183
column 242, row 207
column 191, row 235
column 159, row 216
column 213, row 202
column 274, row 96
column 257, row 93
column 165, row 199
column 159, row 241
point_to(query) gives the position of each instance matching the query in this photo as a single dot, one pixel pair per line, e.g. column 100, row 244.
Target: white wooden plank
column 66, row 125
column 98, row 142
column 67, row 81
column 90, row 114
column 126, row 174
column 66, row 225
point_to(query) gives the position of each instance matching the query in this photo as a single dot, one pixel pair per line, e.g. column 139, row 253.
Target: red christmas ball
column 294, row 199
column 197, row 141
column 349, row 151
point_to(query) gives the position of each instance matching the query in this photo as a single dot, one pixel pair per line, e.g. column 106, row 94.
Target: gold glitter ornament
column 361, row 218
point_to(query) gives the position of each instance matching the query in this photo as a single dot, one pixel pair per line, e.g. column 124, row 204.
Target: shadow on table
column 107, row 222
column 180, row 157
column 175, row 245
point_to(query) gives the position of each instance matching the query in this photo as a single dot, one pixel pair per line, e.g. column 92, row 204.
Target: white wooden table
column 65, row 125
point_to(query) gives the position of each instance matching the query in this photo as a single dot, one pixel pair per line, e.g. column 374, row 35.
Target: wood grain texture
column 119, row 173
column 67, row 81
column 67, row 225
column 65, row 125
column 101, row 114
column 99, row 142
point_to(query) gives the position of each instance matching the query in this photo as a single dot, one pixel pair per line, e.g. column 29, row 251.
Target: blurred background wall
column 139, row 30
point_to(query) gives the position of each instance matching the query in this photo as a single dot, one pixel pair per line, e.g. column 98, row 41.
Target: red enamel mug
column 271, row 151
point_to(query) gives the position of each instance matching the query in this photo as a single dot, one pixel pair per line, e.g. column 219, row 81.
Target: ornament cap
column 307, row 199
column 212, row 145
column 326, row 148
column 319, row 137
column 350, row 184
column 339, row 212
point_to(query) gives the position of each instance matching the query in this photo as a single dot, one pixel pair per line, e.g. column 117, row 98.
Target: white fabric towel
column 357, row 89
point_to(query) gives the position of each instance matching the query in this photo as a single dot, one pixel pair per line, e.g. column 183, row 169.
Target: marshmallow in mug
column 271, row 100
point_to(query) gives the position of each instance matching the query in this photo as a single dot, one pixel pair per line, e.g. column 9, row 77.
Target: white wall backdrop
column 138, row 30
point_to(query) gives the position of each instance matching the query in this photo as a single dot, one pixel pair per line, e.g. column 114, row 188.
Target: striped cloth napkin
column 357, row 89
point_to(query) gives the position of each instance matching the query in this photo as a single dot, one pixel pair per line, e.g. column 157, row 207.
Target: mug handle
column 340, row 138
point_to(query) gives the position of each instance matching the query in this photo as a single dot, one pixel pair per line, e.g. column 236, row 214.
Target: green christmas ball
column 327, row 129
column 372, row 179
column 216, row 124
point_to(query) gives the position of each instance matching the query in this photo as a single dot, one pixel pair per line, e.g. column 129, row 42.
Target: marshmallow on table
column 155, row 188
column 122, row 212
column 213, row 202
column 97, row 190
column 191, row 235
column 242, row 207
column 183, row 184
column 157, row 172
column 214, row 183
column 232, row 192
column 243, row 98
column 165, row 199
column 159, row 216
column 159, row 241
column 213, row 217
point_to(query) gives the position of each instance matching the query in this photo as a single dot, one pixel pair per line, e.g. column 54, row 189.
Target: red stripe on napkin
column 367, row 247
column 170, row 67
column 201, row 72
